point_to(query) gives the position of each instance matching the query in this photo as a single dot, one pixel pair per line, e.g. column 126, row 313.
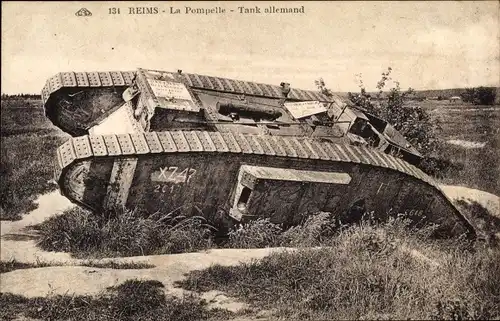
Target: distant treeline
column 481, row 95
column 478, row 95
column 446, row 93
column 21, row 96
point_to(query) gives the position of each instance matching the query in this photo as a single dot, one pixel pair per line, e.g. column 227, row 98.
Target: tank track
column 123, row 79
column 86, row 80
column 154, row 143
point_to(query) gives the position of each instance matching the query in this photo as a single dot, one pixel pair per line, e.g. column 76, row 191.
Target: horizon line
column 334, row 91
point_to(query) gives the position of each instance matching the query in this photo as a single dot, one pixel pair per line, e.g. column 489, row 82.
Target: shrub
column 485, row 95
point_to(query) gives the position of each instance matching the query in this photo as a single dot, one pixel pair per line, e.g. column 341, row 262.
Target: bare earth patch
column 49, row 204
column 489, row 201
column 88, row 280
column 466, row 144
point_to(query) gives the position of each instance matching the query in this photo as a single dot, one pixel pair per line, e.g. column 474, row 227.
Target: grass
column 123, row 233
column 25, row 116
column 127, row 233
column 28, row 162
column 131, row 300
column 27, row 168
column 7, row 266
column 384, row 271
column 314, row 231
column 366, row 271
column 118, row 265
column 12, row 265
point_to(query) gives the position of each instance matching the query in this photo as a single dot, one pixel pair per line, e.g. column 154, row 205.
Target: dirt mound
column 489, row 201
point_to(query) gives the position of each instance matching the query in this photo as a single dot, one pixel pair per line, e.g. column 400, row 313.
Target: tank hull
column 248, row 176
column 166, row 142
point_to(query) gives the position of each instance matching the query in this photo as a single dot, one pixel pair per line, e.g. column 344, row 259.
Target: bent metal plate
column 305, row 108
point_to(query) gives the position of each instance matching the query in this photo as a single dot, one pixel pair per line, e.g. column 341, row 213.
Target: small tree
column 485, row 95
column 479, row 95
column 468, row 95
column 320, row 84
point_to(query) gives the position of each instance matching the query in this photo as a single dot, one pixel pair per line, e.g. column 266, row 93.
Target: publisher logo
column 83, row 12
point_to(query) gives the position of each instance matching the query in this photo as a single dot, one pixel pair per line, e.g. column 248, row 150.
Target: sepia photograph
column 250, row 160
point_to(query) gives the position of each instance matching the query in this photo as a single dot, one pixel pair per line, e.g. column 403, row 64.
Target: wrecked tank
column 165, row 141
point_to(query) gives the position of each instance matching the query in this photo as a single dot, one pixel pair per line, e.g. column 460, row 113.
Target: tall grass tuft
column 123, row 233
column 255, row 234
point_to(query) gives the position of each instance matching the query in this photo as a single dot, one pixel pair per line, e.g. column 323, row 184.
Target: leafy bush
column 468, row 95
column 439, row 167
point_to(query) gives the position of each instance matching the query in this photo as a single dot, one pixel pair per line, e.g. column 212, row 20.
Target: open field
column 28, row 144
column 470, row 139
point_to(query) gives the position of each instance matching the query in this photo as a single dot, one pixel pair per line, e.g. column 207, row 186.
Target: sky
column 429, row 45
